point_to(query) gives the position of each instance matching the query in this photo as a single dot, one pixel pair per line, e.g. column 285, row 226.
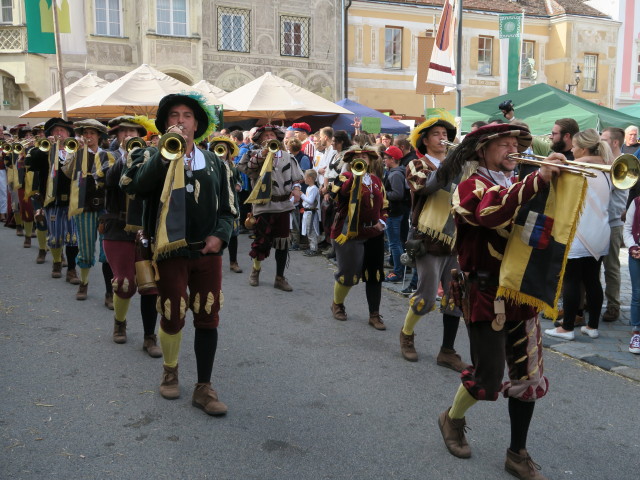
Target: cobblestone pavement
column 610, row 351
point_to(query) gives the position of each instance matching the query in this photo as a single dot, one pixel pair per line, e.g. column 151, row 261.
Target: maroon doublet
column 484, row 214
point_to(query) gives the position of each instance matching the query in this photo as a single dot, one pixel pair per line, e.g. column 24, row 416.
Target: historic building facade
column 559, row 36
column 226, row 42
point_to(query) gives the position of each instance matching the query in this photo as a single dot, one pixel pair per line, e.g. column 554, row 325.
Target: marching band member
column 434, row 235
column 485, row 206
column 189, row 211
column 54, row 189
column 228, row 150
column 274, row 174
column 24, row 205
column 120, row 224
column 86, row 168
column 358, row 232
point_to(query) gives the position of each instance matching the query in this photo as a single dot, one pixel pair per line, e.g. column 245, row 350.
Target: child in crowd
column 310, row 218
column 631, row 234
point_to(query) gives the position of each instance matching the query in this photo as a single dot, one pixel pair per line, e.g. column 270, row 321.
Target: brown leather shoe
column 450, row 359
column 41, row 256
column 254, row 278
column 375, row 320
column 56, row 271
column 72, row 277
column 453, row 434
column 339, row 312
column 611, row 314
column 108, row 300
column 205, row 398
column 282, row 284
column 150, row 346
column 407, row 347
column 82, row 291
column 169, row 387
column 522, row 466
column 119, row 331
column 234, row 267
column 27, row 242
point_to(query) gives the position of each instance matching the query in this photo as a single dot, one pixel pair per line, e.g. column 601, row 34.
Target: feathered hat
column 205, row 114
column 444, row 119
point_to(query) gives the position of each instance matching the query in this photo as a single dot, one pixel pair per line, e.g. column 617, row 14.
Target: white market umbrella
column 274, row 98
column 212, row 93
column 52, row 106
column 136, row 93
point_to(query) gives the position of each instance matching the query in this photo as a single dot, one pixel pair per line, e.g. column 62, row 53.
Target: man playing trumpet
column 189, row 211
column 276, row 176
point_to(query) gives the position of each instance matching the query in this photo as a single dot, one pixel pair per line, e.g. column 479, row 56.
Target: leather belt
column 280, row 198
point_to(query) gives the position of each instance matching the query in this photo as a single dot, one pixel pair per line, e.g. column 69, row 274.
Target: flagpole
column 521, row 44
column 459, row 64
column 56, row 31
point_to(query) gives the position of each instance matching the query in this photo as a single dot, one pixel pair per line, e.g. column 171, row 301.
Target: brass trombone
column 220, row 149
column 358, row 167
column 172, row 146
column 135, row 142
column 624, row 171
column 71, row 145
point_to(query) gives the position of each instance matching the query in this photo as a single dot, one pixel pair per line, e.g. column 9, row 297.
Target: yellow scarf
column 261, row 192
column 171, row 225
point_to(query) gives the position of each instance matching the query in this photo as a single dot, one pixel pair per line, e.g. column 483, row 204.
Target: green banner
column 371, row 124
column 510, row 26
column 40, row 38
column 513, row 76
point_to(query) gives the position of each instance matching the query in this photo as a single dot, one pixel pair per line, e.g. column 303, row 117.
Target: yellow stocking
column 257, row 264
column 120, row 307
column 28, row 229
column 462, row 402
column 84, row 275
column 410, row 322
column 340, row 292
column 170, row 347
column 56, row 253
column 42, row 239
column 18, row 219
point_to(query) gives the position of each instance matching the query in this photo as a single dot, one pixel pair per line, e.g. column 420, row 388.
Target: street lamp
column 577, row 72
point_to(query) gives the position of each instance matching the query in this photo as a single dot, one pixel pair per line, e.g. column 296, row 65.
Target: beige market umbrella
column 207, row 87
column 212, row 93
column 52, row 106
column 136, row 93
column 274, row 98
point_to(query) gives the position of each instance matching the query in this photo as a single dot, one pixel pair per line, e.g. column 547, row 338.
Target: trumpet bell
column 135, row 142
column 625, row 171
column 358, row 167
column 43, row 145
column 273, row 146
column 172, row 146
column 71, row 145
column 220, row 150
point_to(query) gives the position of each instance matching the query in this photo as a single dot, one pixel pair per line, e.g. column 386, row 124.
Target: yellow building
column 558, row 37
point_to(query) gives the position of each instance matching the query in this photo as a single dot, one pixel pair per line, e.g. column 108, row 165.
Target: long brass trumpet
column 172, row 146
column 624, row 171
column 135, row 142
column 448, row 144
column 5, row 147
column 358, row 167
column 220, row 150
column 71, row 145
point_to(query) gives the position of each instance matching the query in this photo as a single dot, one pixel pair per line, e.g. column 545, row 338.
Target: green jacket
column 209, row 213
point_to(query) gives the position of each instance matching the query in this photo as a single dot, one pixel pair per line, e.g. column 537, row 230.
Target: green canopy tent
column 541, row 105
column 633, row 110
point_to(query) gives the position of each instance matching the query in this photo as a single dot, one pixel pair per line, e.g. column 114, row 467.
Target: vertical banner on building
column 40, row 34
column 510, row 30
column 442, row 66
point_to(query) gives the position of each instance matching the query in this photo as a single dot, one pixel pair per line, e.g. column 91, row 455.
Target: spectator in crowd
column 301, row 132
column 477, row 125
column 617, row 207
column 399, row 199
column 561, row 136
column 386, row 139
column 310, row 199
column 590, row 243
column 631, row 144
column 632, row 241
column 408, row 152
